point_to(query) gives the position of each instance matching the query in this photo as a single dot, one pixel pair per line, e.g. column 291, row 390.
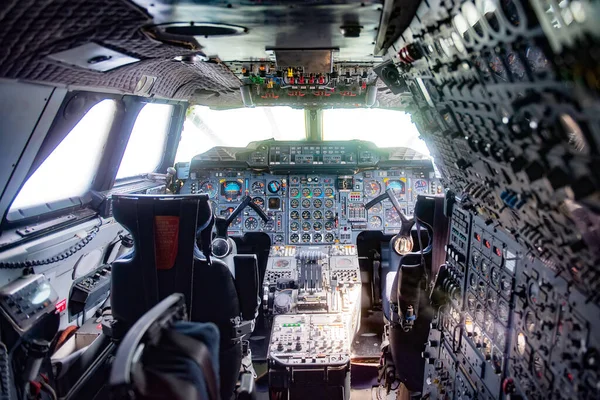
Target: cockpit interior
column 319, row 199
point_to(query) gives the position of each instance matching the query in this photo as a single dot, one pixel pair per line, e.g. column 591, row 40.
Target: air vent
column 202, row 29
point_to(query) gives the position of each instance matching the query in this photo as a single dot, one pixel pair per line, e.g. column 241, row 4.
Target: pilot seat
column 171, row 254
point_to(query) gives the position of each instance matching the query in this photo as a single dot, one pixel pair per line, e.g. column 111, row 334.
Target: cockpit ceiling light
column 94, row 57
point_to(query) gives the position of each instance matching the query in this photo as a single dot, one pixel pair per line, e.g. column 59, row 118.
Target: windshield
column 205, row 128
column 385, row 128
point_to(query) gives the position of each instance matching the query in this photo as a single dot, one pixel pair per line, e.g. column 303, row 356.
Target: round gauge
column 479, row 314
column 317, row 215
column 278, row 238
column 267, row 226
column 574, row 134
column 421, row 186
column 530, row 322
column 485, row 267
column 473, row 280
column 274, row 186
column 294, row 192
column 295, row 203
column 258, row 187
column 329, row 192
column 281, row 263
column 481, row 289
column 305, row 203
column 328, row 214
column 317, row 226
column 475, row 258
column 481, row 66
column 494, row 276
column 294, row 238
column 511, row 12
column 328, row 203
column 376, row 208
column 317, row 203
column 399, row 187
column 503, row 312
column 328, row 225
column 209, row 188
column 305, row 214
column 306, row 192
column 491, row 299
column 295, row 215
column 521, row 343
column 515, row 65
column 231, row 190
column 294, row 180
column 497, row 67
column 294, row 226
column 375, row 222
column 458, row 43
column 329, row 237
column 306, row 238
column 317, row 238
column 488, row 324
column 372, row 189
column 533, row 293
column 251, row 223
column 471, row 302
column 392, row 217
column 317, row 192
column 306, row 226
column 259, row 201
column 505, row 286
column 536, row 59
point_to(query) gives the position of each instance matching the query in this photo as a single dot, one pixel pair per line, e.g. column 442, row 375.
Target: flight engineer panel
column 314, row 208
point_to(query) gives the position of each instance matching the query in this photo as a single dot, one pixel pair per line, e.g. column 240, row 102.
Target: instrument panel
column 314, row 208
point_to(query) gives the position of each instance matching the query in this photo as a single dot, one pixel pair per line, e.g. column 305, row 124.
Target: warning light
column 498, row 251
column 487, row 244
column 291, row 80
column 478, row 237
column 290, row 73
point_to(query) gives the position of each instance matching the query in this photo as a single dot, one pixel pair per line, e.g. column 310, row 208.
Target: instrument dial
column 329, row 214
column 375, row 222
column 306, row 238
column 329, row 192
column 305, row 214
column 306, row 226
column 503, row 312
column 278, row 238
column 259, row 201
column 485, row 267
column 209, row 188
column 372, row 189
column 376, row 209
column 267, row 226
column 392, row 217
column 329, row 237
column 521, row 343
column 251, row 224
column 328, row 203
column 258, row 187
column 534, row 291
column 294, row 192
column 329, row 225
column 515, row 65
column 495, row 276
column 294, row 203
column 305, row 203
column 317, row 203
column 317, row 215
column 294, row 180
column 317, row 238
column 317, row 226
column 274, row 186
column 294, row 238
column 317, row 192
column 398, row 186
column 306, row 192
column 227, row 212
column 294, row 226
column 295, row 215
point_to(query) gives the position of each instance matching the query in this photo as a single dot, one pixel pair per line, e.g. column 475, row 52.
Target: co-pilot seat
column 166, row 259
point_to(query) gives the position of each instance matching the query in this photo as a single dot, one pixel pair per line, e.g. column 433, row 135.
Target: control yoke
column 407, row 223
column 221, row 223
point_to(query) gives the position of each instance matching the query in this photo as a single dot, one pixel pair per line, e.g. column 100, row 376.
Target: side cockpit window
column 147, row 141
column 68, row 172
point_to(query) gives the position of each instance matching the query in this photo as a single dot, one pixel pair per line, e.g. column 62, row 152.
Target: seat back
column 162, row 260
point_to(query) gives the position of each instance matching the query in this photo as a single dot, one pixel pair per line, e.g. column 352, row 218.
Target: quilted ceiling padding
column 32, row 29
